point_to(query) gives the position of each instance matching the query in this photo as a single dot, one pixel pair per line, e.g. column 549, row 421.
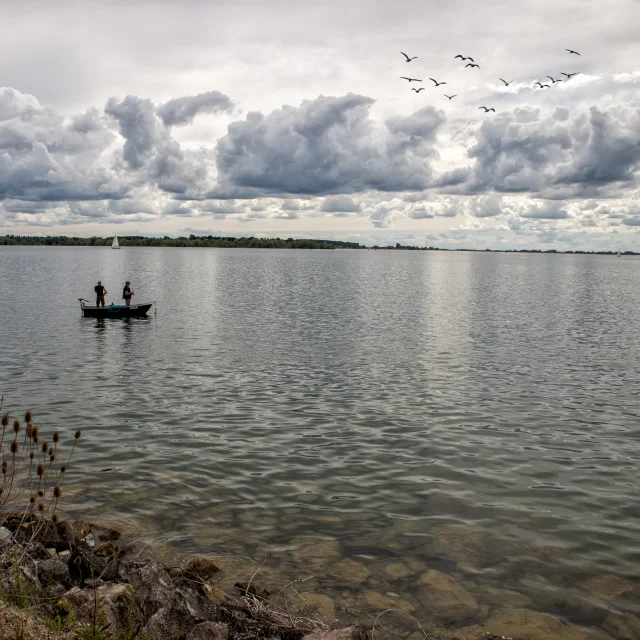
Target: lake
column 359, row 416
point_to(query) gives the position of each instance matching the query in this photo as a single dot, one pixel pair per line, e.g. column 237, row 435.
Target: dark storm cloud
column 547, row 211
column 183, row 110
column 327, row 145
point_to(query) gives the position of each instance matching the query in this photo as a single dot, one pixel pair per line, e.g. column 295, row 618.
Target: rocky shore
column 68, row 580
column 77, row 582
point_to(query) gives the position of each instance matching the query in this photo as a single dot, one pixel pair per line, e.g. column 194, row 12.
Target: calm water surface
column 400, row 404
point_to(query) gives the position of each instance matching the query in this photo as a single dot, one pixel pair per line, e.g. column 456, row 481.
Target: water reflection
column 371, row 398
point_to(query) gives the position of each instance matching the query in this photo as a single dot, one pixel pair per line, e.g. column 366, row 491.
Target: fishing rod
column 153, row 280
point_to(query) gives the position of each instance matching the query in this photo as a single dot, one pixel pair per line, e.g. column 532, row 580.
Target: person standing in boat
column 101, row 292
column 127, row 293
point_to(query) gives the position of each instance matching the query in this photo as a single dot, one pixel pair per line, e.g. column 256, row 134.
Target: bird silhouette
column 463, row 58
column 569, row 75
column 436, row 82
column 541, row 85
column 471, row 65
column 506, row 84
column 486, row 110
column 450, row 97
column 418, row 90
column 407, row 57
column 410, row 79
column 554, row 81
column 571, row 51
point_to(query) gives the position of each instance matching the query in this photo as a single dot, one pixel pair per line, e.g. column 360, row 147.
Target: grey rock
column 6, row 539
column 202, row 568
column 64, row 555
column 54, row 571
column 84, row 565
column 349, row 633
column 89, row 540
column 209, row 631
column 168, row 623
column 151, row 582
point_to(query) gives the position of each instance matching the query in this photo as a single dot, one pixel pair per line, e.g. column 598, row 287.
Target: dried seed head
column 5, row 468
column 32, row 455
column 52, row 456
column 16, row 426
column 63, row 468
column 40, row 506
column 77, row 434
column 14, row 447
column 77, row 560
column 32, row 499
column 40, row 470
column 35, row 433
column 5, row 420
column 40, row 493
column 57, row 491
column 45, row 447
column 54, row 517
column 28, row 416
column 56, row 437
column 29, row 430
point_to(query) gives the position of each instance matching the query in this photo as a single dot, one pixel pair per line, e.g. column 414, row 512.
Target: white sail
column 115, row 244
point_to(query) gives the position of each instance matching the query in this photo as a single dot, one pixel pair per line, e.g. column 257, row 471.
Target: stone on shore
column 209, row 631
column 349, row 633
column 202, row 568
column 315, row 550
column 349, row 572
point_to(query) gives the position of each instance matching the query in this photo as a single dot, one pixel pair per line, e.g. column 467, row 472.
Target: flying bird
column 506, row 84
column 554, row 81
column 569, row 75
column 486, row 110
column 407, row 57
column 471, row 65
column 571, row 51
column 541, row 85
column 410, row 79
column 436, row 82
column 450, row 97
column 418, row 90
column 463, row 58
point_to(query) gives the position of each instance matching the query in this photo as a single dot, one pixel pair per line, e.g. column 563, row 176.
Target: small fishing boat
column 115, row 310
column 114, row 244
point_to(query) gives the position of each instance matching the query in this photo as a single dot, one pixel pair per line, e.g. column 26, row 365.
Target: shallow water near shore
column 363, row 417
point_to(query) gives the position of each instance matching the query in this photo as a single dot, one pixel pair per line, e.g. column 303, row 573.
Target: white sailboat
column 115, row 244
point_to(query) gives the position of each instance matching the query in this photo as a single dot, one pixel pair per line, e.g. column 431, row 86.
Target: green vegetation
column 191, row 241
column 248, row 243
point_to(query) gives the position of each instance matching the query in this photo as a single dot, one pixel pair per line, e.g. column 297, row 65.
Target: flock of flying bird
column 472, row 65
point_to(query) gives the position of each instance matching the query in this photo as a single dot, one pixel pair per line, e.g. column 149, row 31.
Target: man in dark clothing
column 101, row 292
column 127, row 293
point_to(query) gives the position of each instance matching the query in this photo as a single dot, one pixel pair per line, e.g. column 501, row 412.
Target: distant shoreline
column 250, row 242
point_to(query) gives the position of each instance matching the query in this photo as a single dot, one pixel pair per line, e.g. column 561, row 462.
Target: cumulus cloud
column 184, row 110
column 340, row 204
column 325, row 146
column 527, row 152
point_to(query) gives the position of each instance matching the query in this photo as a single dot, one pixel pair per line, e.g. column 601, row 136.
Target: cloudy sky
column 290, row 119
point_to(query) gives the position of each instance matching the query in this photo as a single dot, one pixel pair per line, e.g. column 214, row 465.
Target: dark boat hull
column 117, row 311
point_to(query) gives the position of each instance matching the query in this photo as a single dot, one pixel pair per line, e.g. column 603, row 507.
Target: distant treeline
column 249, row 243
column 191, row 241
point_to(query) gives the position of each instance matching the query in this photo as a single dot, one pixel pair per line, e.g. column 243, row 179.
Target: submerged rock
column 525, row 624
column 607, row 587
column 623, row 626
column 397, row 570
column 314, row 549
column 349, row 572
column 320, row 605
column 447, row 599
column 252, row 589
